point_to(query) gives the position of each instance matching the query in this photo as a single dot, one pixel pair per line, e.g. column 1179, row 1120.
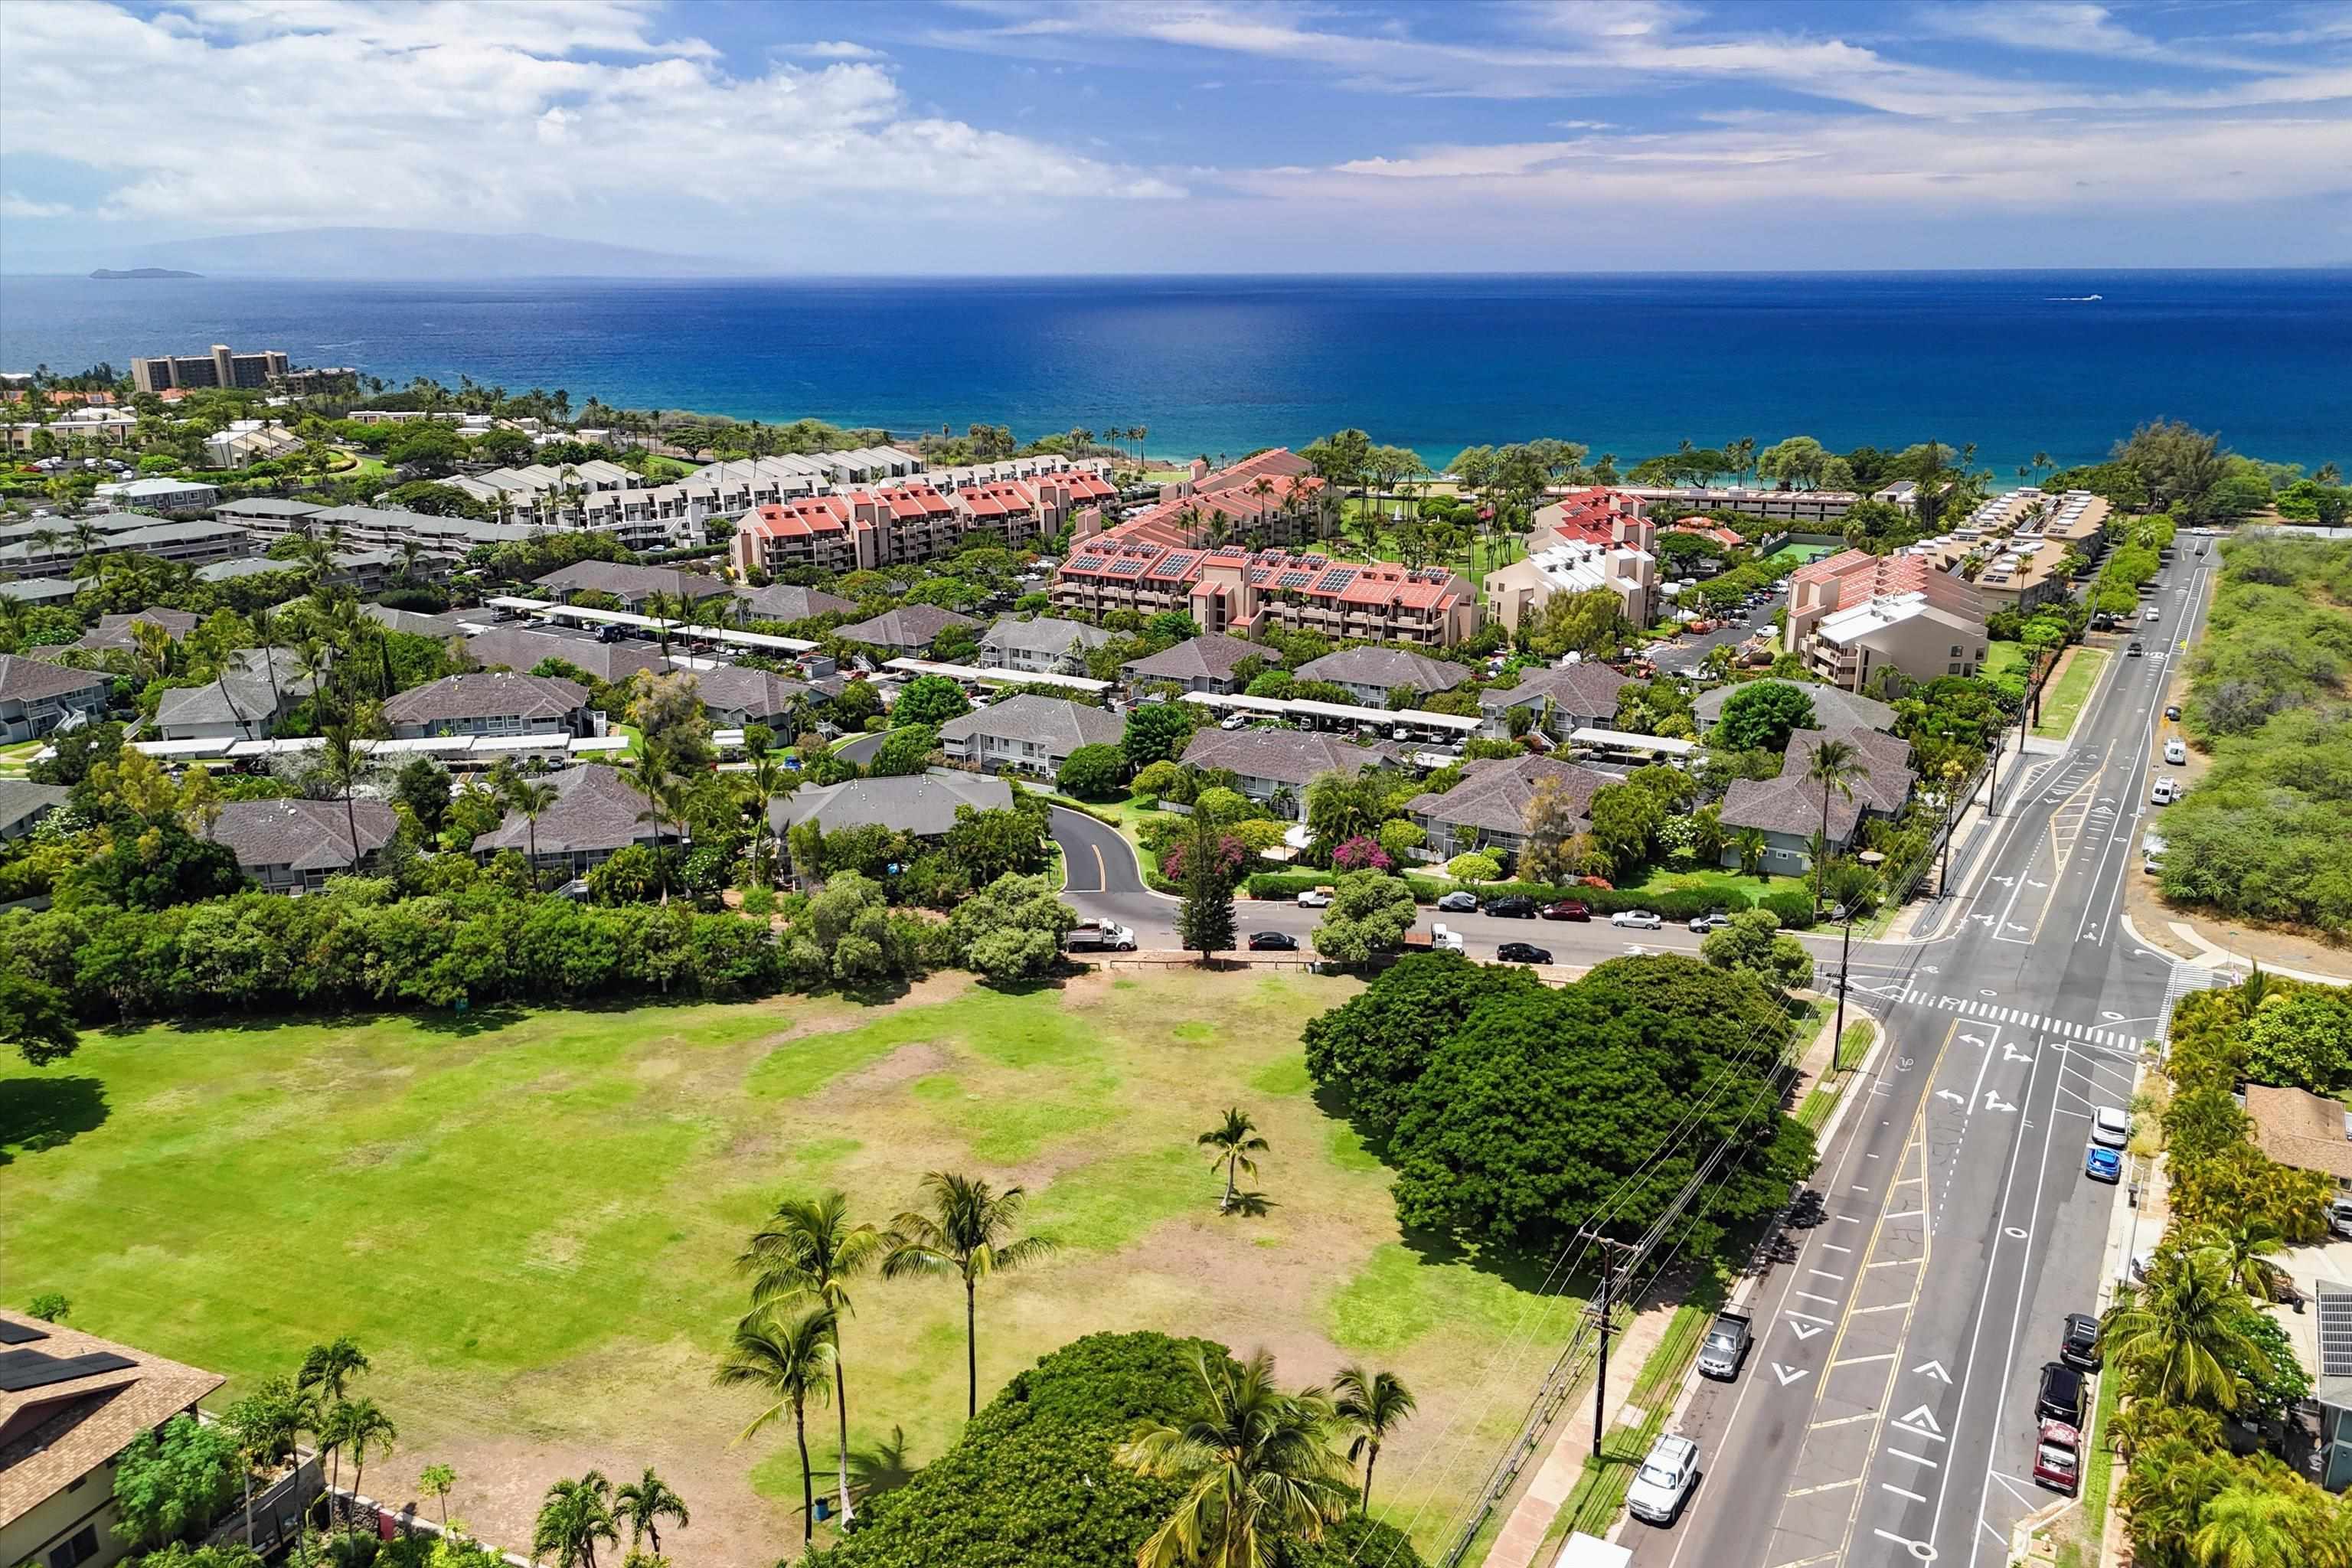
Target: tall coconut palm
column 2250, row 1525
column 811, row 1251
column 529, row 798
column 365, row 1426
column 665, row 807
column 788, row 1358
column 2180, row 1337
column 1255, row 1465
column 1375, row 1403
column 767, row 779
column 1834, row 766
column 1233, row 1141
column 575, row 1516
column 964, row 1235
column 643, row 1504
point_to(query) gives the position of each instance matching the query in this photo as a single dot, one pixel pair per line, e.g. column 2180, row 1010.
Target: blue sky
column 1213, row 135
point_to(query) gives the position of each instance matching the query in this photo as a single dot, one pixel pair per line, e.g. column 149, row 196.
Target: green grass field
column 529, row 1220
column 1737, row 889
column 1802, row 554
column 2003, row 658
column 2061, row 703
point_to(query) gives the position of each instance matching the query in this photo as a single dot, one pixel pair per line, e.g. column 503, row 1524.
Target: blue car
column 2102, row 1165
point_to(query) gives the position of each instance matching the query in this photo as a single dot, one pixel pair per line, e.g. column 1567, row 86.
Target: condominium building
column 108, row 426
column 269, row 519
column 1581, row 517
column 159, row 495
column 222, row 367
column 1781, row 506
column 1854, row 615
column 1233, row 590
column 1624, row 566
column 1271, row 498
column 249, row 441
column 50, row 549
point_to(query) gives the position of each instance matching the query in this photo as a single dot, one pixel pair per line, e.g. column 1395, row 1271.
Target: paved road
column 1690, row 652
column 1885, row 1415
column 861, row 750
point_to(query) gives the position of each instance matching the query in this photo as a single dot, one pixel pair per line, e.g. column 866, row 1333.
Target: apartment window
column 1954, row 668
column 1955, row 650
column 80, row 1550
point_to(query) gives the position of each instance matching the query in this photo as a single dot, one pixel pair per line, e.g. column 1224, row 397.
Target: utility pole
column 1610, row 1251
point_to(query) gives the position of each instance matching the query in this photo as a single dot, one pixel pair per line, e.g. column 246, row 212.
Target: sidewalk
column 2179, row 934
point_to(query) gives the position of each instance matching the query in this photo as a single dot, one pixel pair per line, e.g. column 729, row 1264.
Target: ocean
column 2017, row 363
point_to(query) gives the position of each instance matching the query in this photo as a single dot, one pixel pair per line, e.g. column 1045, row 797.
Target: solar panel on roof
column 2335, row 1332
column 21, row 1369
column 20, row 1333
column 1295, row 579
column 1331, row 582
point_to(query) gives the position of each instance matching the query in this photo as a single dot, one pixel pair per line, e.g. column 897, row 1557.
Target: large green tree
column 1761, row 716
column 1204, row 920
column 1373, row 1048
column 1370, row 913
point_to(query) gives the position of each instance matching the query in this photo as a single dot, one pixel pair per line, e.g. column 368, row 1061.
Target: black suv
column 2079, row 1345
column 2060, row 1398
column 1512, row 906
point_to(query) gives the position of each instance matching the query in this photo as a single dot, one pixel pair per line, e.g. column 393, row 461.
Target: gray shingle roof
column 40, row 590
column 415, row 623
column 233, row 698
column 595, row 809
column 628, row 581
column 1044, row 634
column 1788, row 805
column 921, row 804
column 1581, row 688
column 1295, row 757
column 21, row 801
column 783, row 602
column 490, row 694
column 739, row 689
column 30, row 679
column 307, row 835
column 1061, row 725
column 1835, row 708
column 114, row 631
column 1494, row 794
column 912, row 625
column 1386, row 668
column 1213, row 657
column 1886, row 783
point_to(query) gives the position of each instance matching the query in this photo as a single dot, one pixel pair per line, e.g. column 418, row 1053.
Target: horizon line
column 297, row 277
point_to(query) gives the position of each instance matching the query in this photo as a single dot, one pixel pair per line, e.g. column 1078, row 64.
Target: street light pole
column 1844, row 913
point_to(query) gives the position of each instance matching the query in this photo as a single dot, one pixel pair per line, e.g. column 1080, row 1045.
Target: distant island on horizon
column 109, row 274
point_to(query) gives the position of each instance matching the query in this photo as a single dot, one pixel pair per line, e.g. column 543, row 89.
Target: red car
column 2057, row 1457
column 1566, row 909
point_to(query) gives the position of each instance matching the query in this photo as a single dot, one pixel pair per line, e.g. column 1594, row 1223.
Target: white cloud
column 825, row 49
column 579, row 117
column 13, row 204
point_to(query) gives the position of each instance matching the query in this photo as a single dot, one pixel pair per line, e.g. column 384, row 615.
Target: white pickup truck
column 1099, row 936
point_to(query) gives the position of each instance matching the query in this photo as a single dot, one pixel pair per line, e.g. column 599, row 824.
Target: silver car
column 1636, row 919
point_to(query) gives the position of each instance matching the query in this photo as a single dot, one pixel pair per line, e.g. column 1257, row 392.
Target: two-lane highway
column 1886, row 1413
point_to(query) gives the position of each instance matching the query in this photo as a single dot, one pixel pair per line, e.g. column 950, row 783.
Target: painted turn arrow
column 1788, row 1374
column 1953, row 1095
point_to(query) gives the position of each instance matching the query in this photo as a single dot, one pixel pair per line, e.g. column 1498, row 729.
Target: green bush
column 1794, row 908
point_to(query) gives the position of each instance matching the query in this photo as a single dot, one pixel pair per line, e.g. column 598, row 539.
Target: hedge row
column 1793, row 903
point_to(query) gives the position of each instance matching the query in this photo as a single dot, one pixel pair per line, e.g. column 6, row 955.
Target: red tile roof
column 798, row 519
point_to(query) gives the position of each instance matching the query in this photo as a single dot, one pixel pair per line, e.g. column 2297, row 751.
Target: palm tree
column 440, row 1480
column 2245, row 1247
column 1834, row 766
column 2181, row 1335
column 644, row 1503
column 1752, row 846
column 1255, row 1469
column 2253, row 992
column 1375, row 1403
column 665, row 807
column 573, row 1519
column 787, row 1358
column 330, row 1368
column 334, row 1435
column 1234, row 1140
column 365, row 1425
column 664, row 608
column 810, row 1249
column 962, row 1235
column 530, row 798
column 768, row 779
column 2251, row 1525
column 341, row 757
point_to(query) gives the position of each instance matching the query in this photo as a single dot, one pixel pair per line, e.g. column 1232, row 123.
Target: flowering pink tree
column 1361, row 853
column 1231, row 853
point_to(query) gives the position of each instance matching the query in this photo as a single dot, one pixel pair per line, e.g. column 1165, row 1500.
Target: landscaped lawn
column 2064, row 697
column 2003, row 658
column 1736, row 887
column 528, row 1221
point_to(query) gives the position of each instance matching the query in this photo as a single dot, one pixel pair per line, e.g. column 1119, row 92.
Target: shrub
column 1794, row 908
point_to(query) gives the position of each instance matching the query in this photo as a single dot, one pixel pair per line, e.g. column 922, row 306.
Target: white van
column 2165, row 793
column 2176, row 751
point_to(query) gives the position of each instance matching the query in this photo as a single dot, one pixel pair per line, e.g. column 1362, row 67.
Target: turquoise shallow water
column 2016, row 362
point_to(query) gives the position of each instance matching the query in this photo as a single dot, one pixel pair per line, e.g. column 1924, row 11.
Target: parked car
column 2172, row 710
column 2164, row 792
column 1713, row 919
column 2061, row 1396
column 1273, row 941
column 1233, row 721
column 2175, row 751
column 2057, row 1457
column 2078, row 1342
column 1512, row 907
column 2153, row 613
column 1663, row 1482
column 1099, row 936
column 1725, row 1346
column 1566, row 909
column 1459, row 903
column 1315, row 898
column 2339, row 1215
column 2102, row 1165
column 2111, row 1125
column 1523, row 953
column 1636, row 919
